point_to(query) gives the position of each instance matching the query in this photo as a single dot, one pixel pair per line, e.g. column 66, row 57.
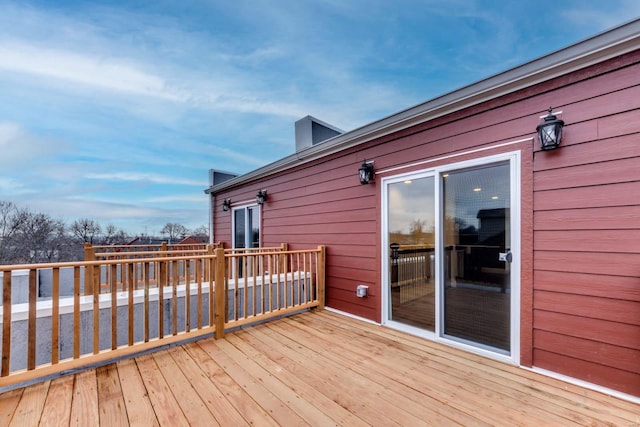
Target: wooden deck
column 316, row 368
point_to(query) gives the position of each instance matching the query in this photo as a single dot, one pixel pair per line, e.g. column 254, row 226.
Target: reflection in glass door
column 476, row 245
column 411, row 237
column 246, row 231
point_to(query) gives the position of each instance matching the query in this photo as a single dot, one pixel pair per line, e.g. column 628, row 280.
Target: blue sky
column 116, row 111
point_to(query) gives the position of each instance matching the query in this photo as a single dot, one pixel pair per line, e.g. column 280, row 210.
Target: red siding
column 580, row 219
column 587, row 241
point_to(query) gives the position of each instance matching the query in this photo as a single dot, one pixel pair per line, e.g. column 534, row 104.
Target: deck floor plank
column 57, row 407
column 290, row 397
column 354, row 392
column 29, row 410
column 8, row 403
column 164, row 404
column 112, row 408
column 218, row 405
column 551, row 395
column 481, row 389
column 234, row 393
column 139, row 409
column 278, row 409
column 189, row 400
column 280, row 366
column 84, row 406
column 433, row 401
column 318, row 368
column 389, row 373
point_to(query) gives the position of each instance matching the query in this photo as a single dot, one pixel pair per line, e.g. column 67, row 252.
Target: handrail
column 145, row 303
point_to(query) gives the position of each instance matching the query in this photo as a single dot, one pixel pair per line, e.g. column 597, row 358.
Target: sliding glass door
column 411, row 237
column 448, row 253
column 476, row 243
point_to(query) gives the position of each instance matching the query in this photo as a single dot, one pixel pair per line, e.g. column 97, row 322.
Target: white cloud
column 19, row 148
column 104, row 73
column 195, row 198
column 145, row 177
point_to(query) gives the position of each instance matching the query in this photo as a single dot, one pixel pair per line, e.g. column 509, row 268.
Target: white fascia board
column 596, row 49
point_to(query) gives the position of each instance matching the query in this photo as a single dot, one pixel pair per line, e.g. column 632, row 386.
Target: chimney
column 311, row 131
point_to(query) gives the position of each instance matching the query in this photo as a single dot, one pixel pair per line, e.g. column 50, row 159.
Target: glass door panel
column 411, row 237
column 476, row 258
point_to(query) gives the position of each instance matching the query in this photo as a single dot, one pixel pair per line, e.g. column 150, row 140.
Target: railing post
column 89, row 252
column 219, row 294
column 321, row 266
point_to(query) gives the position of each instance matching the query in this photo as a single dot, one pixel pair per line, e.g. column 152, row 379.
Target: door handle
column 505, row 256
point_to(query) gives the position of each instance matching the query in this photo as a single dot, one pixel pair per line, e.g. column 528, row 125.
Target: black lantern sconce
column 226, row 205
column 366, row 172
column 261, row 197
column 550, row 131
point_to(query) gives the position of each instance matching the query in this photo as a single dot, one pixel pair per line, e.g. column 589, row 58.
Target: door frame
column 514, row 160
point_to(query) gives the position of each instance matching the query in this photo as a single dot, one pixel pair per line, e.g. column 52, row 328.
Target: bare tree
column 114, row 236
column 41, row 239
column 86, row 230
column 11, row 220
column 173, row 231
column 202, row 231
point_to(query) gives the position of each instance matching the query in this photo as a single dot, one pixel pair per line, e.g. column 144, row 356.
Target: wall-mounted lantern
column 550, row 131
column 226, row 205
column 366, row 172
column 261, row 197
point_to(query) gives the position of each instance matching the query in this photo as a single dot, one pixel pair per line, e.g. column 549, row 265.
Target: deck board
column 316, row 368
column 57, row 407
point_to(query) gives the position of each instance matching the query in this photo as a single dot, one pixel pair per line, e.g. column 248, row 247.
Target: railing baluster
column 199, row 280
column 245, row 290
column 31, row 333
column 174, row 296
column 162, row 279
column 187, row 301
column 114, row 304
column 146, row 272
column 130, row 288
column 55, row 316
column 236, row 282
column 289, row 303
column 96, row 311
column 6, row 322
column 76, row 312
column 213, row 274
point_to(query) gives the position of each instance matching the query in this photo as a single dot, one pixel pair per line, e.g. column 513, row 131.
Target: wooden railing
column 164, row 246
column 130, row 314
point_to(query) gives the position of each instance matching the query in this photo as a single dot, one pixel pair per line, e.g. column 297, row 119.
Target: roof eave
column 599, row 48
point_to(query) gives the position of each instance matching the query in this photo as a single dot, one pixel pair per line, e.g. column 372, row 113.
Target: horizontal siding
column 609, row 241
column 588, row 262
column 586, row 327
column 605, row 375
column 610, row 309
column 592, row 174
column 607, row 355
column 597, row 285
column 586, row 301
column 602, row 218
column 623, row 194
